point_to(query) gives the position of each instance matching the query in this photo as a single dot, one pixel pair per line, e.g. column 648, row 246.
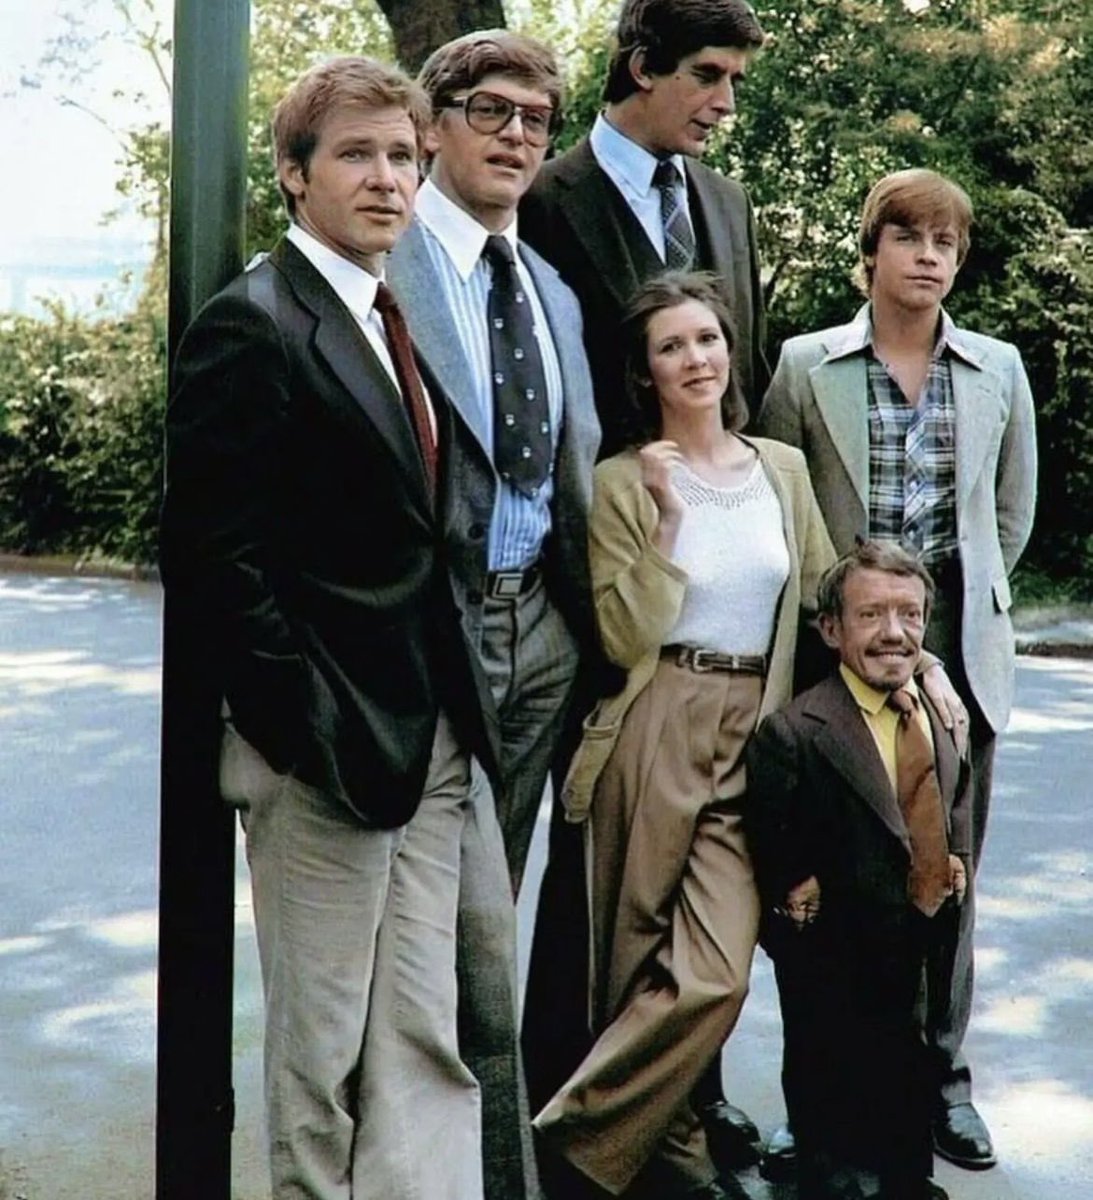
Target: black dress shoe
column 962, row 1138
column 731, row 1136
column 779, row 1155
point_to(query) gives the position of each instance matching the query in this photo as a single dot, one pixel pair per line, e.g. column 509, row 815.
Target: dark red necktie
column 920, row 802
column 409, row 381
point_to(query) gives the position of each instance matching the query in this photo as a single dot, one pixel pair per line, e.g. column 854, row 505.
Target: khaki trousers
column 366, row 1094
column 675, row 915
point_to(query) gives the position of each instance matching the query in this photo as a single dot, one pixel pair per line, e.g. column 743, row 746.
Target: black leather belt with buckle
column 510, row 585
column 696, row 659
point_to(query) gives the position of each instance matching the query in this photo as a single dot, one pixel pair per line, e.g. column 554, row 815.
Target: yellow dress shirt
column 881, row 719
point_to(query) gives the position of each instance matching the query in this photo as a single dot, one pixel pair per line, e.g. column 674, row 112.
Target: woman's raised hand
column 657, row 460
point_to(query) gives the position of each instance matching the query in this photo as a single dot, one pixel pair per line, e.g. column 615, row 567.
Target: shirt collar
column 354, row 286
column 869, row 699
column 462, row 237
column 622, row 157
column 857, row 337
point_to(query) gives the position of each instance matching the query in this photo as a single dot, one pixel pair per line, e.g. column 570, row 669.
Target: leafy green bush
column 81, row 415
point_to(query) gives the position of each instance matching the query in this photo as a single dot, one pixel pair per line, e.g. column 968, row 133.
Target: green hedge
column 81, row 416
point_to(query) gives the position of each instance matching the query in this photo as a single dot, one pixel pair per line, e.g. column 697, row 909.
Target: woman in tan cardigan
column 706, row 549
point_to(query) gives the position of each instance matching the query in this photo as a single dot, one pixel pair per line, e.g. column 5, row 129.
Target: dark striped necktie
column 679, row 238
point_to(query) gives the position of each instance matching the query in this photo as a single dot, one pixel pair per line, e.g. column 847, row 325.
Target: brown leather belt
column 697, row 659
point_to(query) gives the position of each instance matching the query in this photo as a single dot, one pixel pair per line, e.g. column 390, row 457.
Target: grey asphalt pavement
column 79, row 692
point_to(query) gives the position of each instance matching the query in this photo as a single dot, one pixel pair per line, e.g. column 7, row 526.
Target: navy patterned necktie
column 679, row 238
column 920, row 802
column 521, row 417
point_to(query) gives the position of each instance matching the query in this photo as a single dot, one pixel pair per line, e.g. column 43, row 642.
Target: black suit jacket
column 820, row 803
column 298, row 522
column 577, row 219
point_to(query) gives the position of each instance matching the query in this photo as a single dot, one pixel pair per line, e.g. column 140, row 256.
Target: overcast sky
column 59, row 163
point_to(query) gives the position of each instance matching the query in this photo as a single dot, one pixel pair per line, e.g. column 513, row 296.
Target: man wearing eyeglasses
column 502, row 333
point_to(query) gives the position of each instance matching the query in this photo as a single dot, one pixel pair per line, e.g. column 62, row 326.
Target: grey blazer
column 412, row 277
column 818, row 401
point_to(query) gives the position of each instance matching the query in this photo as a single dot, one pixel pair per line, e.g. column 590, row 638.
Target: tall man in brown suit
column 632, row 198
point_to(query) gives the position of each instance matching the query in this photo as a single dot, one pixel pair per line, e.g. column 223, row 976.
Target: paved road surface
column 79, row 684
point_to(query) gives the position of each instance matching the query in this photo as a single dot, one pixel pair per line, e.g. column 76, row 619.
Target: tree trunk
column 420, row 26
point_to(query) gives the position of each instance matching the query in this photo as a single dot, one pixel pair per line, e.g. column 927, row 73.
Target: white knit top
column 733, row 548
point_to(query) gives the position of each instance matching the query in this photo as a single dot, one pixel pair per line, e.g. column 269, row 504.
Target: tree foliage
column 80, row 432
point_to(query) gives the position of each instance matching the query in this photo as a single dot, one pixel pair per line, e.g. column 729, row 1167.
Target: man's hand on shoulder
column 950, row 708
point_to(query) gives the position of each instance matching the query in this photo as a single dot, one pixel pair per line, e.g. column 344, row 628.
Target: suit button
column 477, row 531
column 474, row 597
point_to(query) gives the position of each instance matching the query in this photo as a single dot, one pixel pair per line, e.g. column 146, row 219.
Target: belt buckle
column 507, row 585
column 699, row 661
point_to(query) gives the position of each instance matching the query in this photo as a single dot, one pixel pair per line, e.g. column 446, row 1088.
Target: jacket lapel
column 417, row 286
column 339, row 341
column 845, row 741
column 840, row 386
column 975, row 401
column 725, row 225
column 589, row 207
column 945, row 757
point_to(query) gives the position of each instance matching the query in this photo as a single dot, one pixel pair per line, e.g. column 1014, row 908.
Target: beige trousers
column 366, row 1095
column 675, row 916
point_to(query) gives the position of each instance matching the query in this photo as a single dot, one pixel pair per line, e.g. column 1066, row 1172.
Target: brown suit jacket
column 820, row 803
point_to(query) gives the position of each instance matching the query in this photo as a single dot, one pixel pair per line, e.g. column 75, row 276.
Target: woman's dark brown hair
column 642, row 404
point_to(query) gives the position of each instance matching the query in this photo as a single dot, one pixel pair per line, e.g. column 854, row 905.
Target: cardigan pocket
column 597, row 742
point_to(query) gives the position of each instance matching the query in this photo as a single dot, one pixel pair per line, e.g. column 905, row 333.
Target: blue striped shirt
column 455, row 241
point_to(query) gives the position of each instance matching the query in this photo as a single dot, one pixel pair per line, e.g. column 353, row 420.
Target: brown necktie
column 409, row 381
column 920, row 802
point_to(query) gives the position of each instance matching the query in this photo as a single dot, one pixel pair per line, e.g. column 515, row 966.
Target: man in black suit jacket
column 839, row 858
column 303, row 519
column 604, row 212
column 624, row 204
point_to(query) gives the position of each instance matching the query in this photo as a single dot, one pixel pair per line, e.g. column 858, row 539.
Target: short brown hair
column 907, row 198
column 869, row 555
column 347, row 80
column 643, row 417
column 469, row 59
column 669, row 30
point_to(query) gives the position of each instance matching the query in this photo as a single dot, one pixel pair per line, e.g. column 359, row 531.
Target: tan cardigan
column 638, row 594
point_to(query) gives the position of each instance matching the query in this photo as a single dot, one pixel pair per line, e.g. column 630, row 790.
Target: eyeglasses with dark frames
column 487, row 112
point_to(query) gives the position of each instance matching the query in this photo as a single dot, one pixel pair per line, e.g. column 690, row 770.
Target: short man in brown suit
column 859, row 811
